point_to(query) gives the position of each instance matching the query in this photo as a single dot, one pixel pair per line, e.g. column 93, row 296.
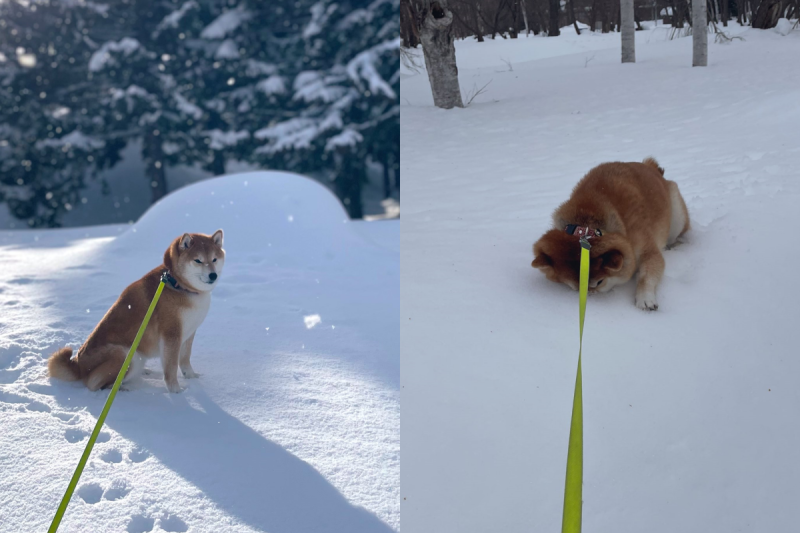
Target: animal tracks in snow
column 111, row 456
column 140, row 523
column 93, row 492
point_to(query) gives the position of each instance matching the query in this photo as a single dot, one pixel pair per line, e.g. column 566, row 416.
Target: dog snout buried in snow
column 194, row 263
column 629, row 212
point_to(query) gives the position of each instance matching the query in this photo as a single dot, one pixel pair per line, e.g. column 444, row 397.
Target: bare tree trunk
column 525, row 17
column 436, row 35
column 555, row 6
column 628, row 32
column 153, row 156
column 572, row 15
column 408, row 26
column 699, row 33
column 387, row 181
column 218, row 164
column 726, row 12
column 479, row 20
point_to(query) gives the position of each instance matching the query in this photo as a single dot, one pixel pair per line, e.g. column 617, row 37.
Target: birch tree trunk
column 436, row 36
column 699, row 34
column 628, row 31
column 525, row 17
column 479, row 21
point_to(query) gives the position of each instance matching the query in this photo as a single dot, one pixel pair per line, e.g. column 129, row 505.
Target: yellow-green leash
column 573, row 488
column 85, row 457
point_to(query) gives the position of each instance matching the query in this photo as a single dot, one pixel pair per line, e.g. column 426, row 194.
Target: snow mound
column 784, row 26
column 283, row 211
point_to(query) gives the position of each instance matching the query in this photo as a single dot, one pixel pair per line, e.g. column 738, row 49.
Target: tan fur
column 639, row 213
column 172, row 326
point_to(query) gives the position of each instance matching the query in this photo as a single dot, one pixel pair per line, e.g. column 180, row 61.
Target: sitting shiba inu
column 194, row 263
column 629, row 213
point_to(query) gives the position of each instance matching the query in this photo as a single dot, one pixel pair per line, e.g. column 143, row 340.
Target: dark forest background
column 306, row 86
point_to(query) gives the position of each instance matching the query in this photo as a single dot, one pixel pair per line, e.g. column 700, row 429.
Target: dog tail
column 61, row 366
column 653, row 163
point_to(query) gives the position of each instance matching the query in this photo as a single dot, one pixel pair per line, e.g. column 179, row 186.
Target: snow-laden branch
column 102, row 57
column 362, row 67
column 226, row 23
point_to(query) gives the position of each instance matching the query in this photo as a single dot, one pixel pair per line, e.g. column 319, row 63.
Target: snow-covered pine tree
column 49, row 141
column 155, row 68
column 318, row 88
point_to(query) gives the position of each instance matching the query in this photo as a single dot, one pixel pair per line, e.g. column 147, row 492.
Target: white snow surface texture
column 690, row 412
column 293, row 425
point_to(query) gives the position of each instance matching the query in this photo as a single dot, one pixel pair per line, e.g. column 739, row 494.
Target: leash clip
column 585, row 243
column 165, row 277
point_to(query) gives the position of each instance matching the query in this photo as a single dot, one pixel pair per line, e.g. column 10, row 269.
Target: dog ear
column 542, row 261
column 612, row 261
column 217, row 237
column 186, row 241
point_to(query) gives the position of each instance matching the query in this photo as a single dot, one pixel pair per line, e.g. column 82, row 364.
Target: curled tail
column 653, row 163
column 61, row 366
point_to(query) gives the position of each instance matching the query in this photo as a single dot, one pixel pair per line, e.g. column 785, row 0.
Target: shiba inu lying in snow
column 194, row 263
column 630, row 213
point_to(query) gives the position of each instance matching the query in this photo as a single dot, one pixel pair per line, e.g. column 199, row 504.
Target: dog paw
column 174, row 387
column 646, row 302
column 190, row 374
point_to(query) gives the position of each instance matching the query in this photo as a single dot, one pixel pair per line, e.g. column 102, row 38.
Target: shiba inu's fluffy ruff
column 639, row 213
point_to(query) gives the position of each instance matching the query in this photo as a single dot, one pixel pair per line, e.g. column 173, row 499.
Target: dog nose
column 213, row 276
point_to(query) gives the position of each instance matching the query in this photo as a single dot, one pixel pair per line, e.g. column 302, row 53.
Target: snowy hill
column 294, row 424
column 689, row 411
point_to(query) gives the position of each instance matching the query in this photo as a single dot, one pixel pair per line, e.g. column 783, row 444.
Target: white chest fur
column 193, row 316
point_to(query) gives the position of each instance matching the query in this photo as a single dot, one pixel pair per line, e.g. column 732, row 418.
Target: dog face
column 558, row 255
column 197, row 259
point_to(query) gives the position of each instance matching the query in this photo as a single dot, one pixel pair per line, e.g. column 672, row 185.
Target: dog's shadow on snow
column 245, row 474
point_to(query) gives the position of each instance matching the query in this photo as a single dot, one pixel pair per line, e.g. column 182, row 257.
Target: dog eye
column 599, row 282
column 198, row 261
column 214, row 260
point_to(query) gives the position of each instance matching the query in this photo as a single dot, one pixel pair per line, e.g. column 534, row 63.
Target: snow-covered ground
column 293, row 426
column 690, row 411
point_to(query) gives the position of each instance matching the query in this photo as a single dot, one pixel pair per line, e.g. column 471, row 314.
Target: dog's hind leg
column 679, row 219
column 651, row 269
column 104, row 374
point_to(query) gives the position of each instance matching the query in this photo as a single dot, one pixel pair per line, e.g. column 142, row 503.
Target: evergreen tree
column 152, row 79
column 321, row 89
column 49, row 141
column 309, row 86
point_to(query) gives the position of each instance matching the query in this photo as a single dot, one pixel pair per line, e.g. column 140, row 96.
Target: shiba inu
column 629, row 212
column 193, row 264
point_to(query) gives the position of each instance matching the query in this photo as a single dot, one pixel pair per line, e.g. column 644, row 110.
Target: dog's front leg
column 650, row 272
column 186, row 365
column 170, row 358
